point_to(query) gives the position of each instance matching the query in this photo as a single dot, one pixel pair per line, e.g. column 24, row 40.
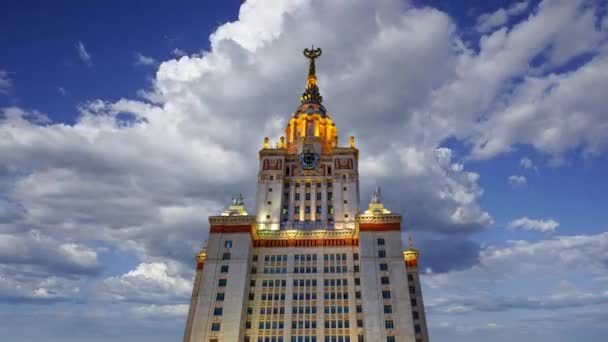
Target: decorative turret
column 411, row 254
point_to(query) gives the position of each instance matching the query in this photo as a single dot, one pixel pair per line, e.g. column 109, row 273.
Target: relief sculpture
column 273, row 164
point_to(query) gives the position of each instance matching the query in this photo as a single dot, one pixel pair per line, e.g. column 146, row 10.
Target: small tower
column 410, row 256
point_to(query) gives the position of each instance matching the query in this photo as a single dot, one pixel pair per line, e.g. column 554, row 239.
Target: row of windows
column 337, row 324
column 303, row 296
column 274, row 283
column 272, row 311
column 275, row 257
column 304, row 310
column 305, row 269
column 335, row 295
column 304, row 324
column 335, row 282
column 305, row 257
column 337, row 269
column 304, row 282
column 273, row 325
column 270, row 296
column 336, row 309
column 332, row 257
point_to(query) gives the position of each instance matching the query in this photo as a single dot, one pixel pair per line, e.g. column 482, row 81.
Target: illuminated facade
column 308, row 266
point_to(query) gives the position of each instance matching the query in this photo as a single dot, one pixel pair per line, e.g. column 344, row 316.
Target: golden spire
column 311, row 94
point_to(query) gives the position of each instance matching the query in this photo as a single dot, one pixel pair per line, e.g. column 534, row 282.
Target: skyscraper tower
column 308, row 266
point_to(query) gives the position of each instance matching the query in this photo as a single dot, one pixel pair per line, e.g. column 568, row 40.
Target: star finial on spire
column 311, row 94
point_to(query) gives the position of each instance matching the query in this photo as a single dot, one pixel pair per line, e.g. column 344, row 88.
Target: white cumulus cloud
column 517, row 180
column 542, row 225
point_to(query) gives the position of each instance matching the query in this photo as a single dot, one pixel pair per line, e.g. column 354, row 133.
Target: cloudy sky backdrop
column 124, row 126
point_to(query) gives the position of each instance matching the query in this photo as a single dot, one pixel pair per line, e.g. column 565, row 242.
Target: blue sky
column 124, row 126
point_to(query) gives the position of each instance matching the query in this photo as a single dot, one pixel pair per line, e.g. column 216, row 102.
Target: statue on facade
column 376, row 196
column 237, row 200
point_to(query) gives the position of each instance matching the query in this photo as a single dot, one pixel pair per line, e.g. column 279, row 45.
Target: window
column 308, row 195
column 217, row 311
column 307, row 209
column 343, row 177
column 297, row 197
column 228, row 243
column 359, row 309
column 219, row 297
column 386, row 294
column 384, row 280
column 269, row 202
column 269, row 189
column 215, row 327
column 414, row 303
column 329, row 173
column 344, row 188
column 287, row 171
column 358, row 294
column 417, row 329
column 357, row 281
column 359, row 323
column 308, row 184
column 382, row 254
column 410, row 277
column 255, row 257
column 251, row 296
column 380, row 242
column 252, row 283
column 390, row 338
column 247, row 325
column 221, row 282
column 297, row 210
column 329, row 195
column 389, row 325
column 297, row 184
column 267, row 216
column 345, row 201
column 356, row 267
column 318, row 209
column 224, row 269
column 388, row 309
column 345, row 215
column 355, row 256
column 383, row 267
column 412, row 290
column 318, row 196
column 226, row 256
column 415, row 315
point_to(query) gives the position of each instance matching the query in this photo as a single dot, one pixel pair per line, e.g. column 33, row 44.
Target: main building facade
column 308, row 266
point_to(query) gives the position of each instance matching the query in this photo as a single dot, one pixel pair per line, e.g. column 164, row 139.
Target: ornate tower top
column 311, row 93
column 411, row 254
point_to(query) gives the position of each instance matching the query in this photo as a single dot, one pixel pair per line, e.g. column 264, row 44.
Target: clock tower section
column 307, row 181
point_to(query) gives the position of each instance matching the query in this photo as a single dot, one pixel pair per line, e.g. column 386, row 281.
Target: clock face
column 309, row 160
